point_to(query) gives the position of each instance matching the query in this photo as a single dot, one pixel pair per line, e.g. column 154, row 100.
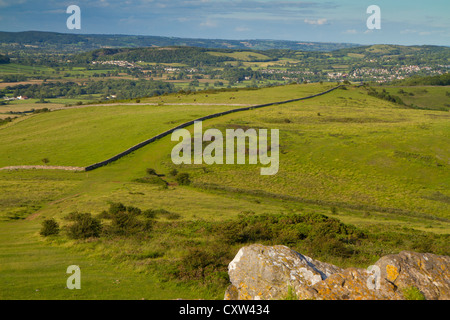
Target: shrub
column 291, row 294
column 151, row 171
column 124, row 223
column 117, row 207
column 152, row 213
column 49, row 227
column 84, row 226
column 173, row 172
column 153, row 179
column 183, row 179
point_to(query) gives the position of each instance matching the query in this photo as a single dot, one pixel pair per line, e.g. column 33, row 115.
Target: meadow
column 429, row 97
column 359, row 178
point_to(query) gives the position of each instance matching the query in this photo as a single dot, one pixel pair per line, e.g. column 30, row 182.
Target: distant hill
column 81, row 42
column 398, row 53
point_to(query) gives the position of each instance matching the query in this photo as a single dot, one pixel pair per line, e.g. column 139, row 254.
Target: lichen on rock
column 270, row 272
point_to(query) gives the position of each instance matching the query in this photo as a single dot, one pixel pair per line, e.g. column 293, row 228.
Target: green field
column 379, row 167
column 76, row 137
column 242, row 55
column 427, row 97
column 13, row 68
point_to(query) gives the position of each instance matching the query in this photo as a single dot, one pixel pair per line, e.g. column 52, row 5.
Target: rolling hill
column 359, row 177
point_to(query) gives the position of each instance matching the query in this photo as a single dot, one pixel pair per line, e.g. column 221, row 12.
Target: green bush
column 49, row 227
column 153, row 179
column 413, row 293
column 206, row 265
column 124, row 219
column 117, row 207
column 84, row 226
column 183, row 179
column 124, row 223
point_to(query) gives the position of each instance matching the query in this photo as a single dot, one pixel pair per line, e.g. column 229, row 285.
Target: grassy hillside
column 341, row 150
column 426, row 97
column 359, row 177
column 76, row 137
column 80, row 137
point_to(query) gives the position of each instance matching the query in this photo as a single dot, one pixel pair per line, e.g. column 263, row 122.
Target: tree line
column 122, row 89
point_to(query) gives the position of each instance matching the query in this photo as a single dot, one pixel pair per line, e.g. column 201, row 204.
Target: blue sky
column 402, row 22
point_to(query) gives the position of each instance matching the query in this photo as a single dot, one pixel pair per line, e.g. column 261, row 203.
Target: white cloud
column 208, row 24
column 7, row 3
column 316, row 22
column 408, row 31
column 241, row 29
column 351, row 31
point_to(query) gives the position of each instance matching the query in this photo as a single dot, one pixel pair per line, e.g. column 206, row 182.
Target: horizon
column 242, row 39
column 321, row 21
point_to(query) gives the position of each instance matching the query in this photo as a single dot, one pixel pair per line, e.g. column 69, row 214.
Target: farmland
column 363, row 169
column 379, row 169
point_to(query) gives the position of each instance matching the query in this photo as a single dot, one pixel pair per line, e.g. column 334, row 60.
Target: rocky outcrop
column 262, row 272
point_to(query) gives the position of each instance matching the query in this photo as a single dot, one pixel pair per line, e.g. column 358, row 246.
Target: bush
column 205, row 265
column 183, row 179
column 153, row 179
column 118, row 207
column 152, row 213
column 49, row 227
column 151, row 171
column 124, row 223
column 413, row 293
column 84, row 226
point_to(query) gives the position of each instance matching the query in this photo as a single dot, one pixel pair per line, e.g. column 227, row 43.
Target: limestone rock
column 262, row 272
column 427, row 272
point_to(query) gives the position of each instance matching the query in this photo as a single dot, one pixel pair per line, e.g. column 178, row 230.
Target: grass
column 369, row 163
column 242, row 55
column 261, row 96
column 13, row 68
column 31, row 268
column 72, row 137
column 357, row 154
column 426, row 97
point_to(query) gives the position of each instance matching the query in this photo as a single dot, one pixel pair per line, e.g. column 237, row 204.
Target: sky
column 405, row 22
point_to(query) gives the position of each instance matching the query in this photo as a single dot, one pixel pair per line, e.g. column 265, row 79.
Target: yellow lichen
column 392, row 273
